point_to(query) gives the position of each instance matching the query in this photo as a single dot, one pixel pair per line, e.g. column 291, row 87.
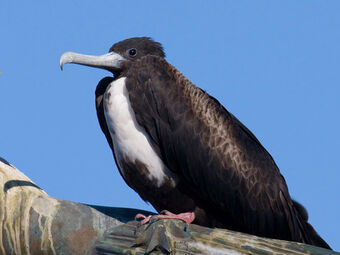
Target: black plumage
column 222, row 171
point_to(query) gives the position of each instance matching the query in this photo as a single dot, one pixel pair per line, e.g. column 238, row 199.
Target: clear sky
column 273, row 64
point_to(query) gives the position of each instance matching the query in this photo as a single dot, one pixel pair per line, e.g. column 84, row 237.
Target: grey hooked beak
column 110, row 61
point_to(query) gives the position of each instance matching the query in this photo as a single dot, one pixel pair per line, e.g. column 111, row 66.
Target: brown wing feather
column 233, row 176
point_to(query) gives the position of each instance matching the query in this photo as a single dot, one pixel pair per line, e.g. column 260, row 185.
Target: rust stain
column 35, row 246
column 81, row 240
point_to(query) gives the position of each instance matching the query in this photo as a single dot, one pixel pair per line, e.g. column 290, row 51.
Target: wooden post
column 34, row 223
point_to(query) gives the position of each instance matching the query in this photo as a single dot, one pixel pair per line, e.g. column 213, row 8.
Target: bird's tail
column 309, row 234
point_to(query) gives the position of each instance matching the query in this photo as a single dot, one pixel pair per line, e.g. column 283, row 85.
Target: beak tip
column 61, row 63
column 64, row 59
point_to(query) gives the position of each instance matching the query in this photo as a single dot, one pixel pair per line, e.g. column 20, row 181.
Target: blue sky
column 273, row 64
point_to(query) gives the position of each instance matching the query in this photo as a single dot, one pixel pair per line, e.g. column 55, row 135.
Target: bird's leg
column 187, row 217
column 145, row 219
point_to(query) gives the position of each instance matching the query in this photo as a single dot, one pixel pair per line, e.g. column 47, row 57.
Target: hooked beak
column 110, row 61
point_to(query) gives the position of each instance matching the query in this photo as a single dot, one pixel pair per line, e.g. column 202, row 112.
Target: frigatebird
column 183, row 152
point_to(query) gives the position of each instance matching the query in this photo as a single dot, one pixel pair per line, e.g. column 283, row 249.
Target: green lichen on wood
column 34, row 223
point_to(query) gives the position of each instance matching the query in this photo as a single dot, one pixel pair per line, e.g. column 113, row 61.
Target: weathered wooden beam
column 34, row 223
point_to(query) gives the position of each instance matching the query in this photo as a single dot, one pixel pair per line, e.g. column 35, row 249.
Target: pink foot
column 145, row 220
column 187, row 217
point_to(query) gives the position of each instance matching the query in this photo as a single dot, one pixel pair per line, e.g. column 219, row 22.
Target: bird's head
column 125, row 51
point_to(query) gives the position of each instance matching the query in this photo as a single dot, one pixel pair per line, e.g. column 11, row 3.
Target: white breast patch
column 129, row 138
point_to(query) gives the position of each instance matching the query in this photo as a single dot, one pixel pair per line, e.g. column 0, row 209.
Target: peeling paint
column 46, row 209
column 31, row 222
column 81, row 240
column 15, row 203
column 206, row 249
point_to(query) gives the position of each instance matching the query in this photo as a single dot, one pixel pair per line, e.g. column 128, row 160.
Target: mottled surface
column 33, row 223
column 173, row 237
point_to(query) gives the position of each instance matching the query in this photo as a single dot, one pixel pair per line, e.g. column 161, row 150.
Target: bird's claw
column 187, row 217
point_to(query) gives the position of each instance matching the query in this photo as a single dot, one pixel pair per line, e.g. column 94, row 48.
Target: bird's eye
column 131, row 52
